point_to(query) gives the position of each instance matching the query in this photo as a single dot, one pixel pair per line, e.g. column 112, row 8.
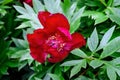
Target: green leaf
column 93, row 41
column 53, row 6
column 77, row 15
column 26, row 56
column 106, row 38
column 38, row 6
column 65, row 6
column 20, row 43
column 116, row 61
column 111, row 47
column 29, row 9
column 74, row 26
column 78, row 67
column 79, row 53
column 12, row 63
column 37, row 78
column 20, row 9
column 72, row 63
column 54, row 76
column 96, row 63
column 75, row 70
column 24, row 25
column 99, row 17
column 110, row 3
column 113, row 14
column 6, row 2
column 111, row 73
column 116, row 2
column 19, row 54
column 75, row 19
column 72, row 9
column 3, row 70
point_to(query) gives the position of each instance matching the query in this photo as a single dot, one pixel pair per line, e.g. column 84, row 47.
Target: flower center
column 56, row 42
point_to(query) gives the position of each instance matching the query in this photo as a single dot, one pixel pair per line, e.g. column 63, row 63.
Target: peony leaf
column 106, row 38
column 93, row 41
column 72, row 63
column 20, row 9
column 99, row 17
column 79, row 53
column 75, row 70
column 38, row 6
column 96, row 63
column 24, row 25
column 54, row 76
column 111, row 73
column 111, row 47
column 20, row 43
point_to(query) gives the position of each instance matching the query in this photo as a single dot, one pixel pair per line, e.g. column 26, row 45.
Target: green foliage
column 97, row 20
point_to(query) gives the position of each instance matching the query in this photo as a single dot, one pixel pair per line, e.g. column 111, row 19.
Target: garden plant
column 59, row 39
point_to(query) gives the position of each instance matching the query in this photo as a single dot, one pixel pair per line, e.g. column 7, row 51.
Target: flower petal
column 37, row 38
column 77, row 41
column 36, row 41
column 38, row 54
column 42, row 16
column 64, row 33
column 57, row 56
column 57, row 20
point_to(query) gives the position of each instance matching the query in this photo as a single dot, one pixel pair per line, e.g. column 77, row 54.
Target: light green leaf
column 24, row 25
column 113, row 14
column 96, row 63
column 77, row 15
column 49, row 5
column 37, row 78
column 29, row 9
column 26, row 56
column 79, row 53
column 116, row 2
column 111, row 73
column 72, row 9
column 54, row 76
column 38, row 6
column 20, row 43
column 93, row 41
column 106, row 38
column 99, row 17
column 19, row 54
column 57, row 6
column 74, row 26
column 75, row 70
column 116, row 61
column 111, row 47
column 72, row 63
column 53, row 6
column 20, row 9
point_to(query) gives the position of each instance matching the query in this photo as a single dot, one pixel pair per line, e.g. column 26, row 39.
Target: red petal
column 42, row 16
column 77, row 41
column 57, row 56
column 38, row 54
column 29, row 2
column 36, row 40
column 57, row 20
column 64, row 33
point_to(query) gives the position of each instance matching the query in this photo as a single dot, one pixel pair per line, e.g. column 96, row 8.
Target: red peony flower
column 29, row 2
column 54, row 42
